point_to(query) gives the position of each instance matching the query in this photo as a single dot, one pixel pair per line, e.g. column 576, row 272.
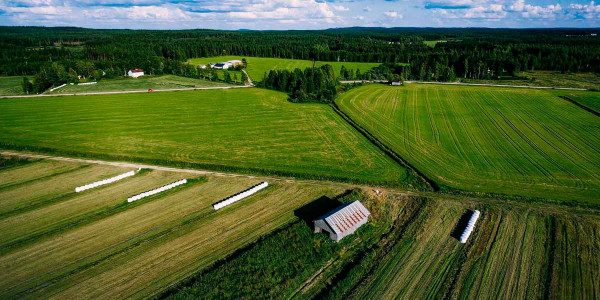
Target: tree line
column 463, row 53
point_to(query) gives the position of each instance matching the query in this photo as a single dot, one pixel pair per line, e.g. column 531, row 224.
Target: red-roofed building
column 135, row 73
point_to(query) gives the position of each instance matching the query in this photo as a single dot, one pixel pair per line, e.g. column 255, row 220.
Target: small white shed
column 343, row 220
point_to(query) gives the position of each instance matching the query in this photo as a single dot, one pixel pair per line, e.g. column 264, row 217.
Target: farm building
column 222, row 66
column 343, row 220
column 235, row 63
column 135, row 73
column 396, row 83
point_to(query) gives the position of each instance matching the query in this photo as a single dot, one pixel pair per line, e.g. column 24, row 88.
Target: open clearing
column 257, row 66
column 11, row 85
column 137, row 249
column 243, row 129
column 547, row 78
column 522, row 252
column 511, row 141
column 140, row 83
column 590, row 100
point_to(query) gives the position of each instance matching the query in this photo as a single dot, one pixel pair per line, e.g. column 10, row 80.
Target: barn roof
column 136, row 70
column 345, row 217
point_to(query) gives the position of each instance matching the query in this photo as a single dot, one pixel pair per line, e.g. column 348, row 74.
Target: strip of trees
column 465, row 53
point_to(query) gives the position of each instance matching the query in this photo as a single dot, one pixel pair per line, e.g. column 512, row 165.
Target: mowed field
column 590, row 100
column 510, row 141
column 11, row 85
column 249, row 130
column 127, row 250
column 140, row 83
column 257, row 66
column 514, row 253
column 410, row 250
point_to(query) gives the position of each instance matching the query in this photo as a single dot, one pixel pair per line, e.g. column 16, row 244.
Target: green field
column 523, row 252
column 140, row 248
column 252, row 130
column 510, row 141
column 547, row 79
column 257, row 66
column 11, row 85
column 590, row 100
column 141, row 83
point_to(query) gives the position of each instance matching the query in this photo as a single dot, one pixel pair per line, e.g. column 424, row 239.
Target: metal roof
column 345, row 217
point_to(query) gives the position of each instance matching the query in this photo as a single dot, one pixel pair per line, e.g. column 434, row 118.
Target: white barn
column 343, row 220
column 135, row 73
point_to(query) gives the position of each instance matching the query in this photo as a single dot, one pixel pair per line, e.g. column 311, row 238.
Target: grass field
column 514, row 253
column 140, row 83
column 244, row 129
column 11, row 85
column 511, row 141
column 522, row 252
column 590, row 100
column 549, row 79
column 145, row 246
column 257, row 66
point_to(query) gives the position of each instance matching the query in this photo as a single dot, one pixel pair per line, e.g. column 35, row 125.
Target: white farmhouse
column 343, row 220
column 135, row 73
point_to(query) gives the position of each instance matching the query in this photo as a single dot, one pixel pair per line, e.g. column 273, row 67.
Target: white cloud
column 393, row 14
column 535, row 11
column 340, row 8
column 585, row 11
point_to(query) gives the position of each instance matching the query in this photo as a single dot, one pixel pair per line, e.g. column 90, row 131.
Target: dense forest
column 60, row 54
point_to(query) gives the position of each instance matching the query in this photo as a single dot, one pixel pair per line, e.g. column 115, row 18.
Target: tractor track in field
column 456, row 195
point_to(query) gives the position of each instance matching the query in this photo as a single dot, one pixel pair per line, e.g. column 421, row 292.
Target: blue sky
column 299, row 14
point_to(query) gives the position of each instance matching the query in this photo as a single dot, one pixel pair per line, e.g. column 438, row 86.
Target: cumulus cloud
column 585, row 11
column 535, row 11
column 393, row 14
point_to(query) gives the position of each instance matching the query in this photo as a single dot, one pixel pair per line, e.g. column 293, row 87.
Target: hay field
column 509, row 141
column 148, row 245
column 590, row 100
column 257, row 66
column 11, row 85
column 135, row 84
column 245, row 130
column 514, row 253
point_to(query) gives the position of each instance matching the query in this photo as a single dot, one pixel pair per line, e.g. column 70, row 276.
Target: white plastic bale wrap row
column 103, row 182
column 240, row 196
column 58, row 87
column 156, row 191
column 465, row 236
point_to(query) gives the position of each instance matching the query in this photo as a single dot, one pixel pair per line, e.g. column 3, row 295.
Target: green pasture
column 248, row 130
column 11, row 85
column 257, row 66
column 499, row 140
column 590, row 100
column 140, row 83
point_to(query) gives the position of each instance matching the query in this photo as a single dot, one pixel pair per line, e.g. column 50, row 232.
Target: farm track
column 588, row 109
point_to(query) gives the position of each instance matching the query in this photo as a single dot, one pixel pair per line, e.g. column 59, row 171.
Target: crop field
column 510, row 141
column 515, row 252
column 547, row 79
column 132, row 250
column 140, row 83
column 257, row 66
column 241, row 129
column 590, row 100
column 11, row 85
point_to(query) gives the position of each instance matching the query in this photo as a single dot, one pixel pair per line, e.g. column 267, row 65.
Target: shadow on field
column 317, row 208
column 462, row 224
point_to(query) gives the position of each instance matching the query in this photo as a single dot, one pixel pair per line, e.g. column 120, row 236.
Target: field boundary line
column 590, row 110
column 499, row 85
column 388, row 151
column 129, row 92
